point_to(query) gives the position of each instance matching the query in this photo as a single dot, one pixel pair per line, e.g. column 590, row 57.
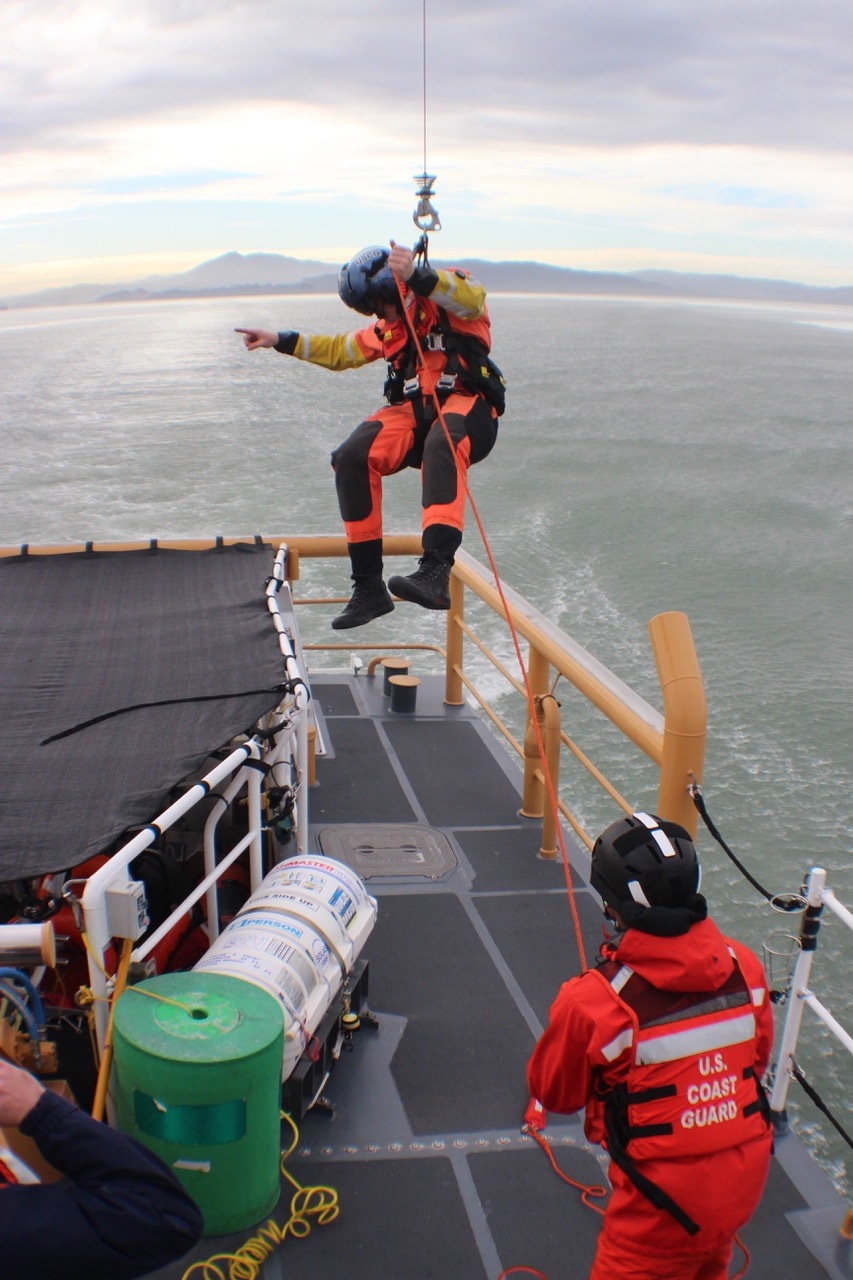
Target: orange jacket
column 716, row 1040
column 456, row 294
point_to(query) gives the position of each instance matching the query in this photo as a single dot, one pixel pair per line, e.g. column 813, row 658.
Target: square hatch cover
column 388, row 850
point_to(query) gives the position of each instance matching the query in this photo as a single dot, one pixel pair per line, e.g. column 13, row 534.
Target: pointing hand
column 254, row 338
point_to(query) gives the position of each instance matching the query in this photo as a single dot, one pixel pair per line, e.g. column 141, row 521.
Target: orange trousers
column 410, row 435
column 720, row 1192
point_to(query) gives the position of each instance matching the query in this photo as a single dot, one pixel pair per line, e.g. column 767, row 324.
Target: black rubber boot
column 370, row 599
column 429, row 585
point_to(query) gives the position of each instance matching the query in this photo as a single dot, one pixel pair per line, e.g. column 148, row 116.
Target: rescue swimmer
column 664, row 1043
column 446, row 310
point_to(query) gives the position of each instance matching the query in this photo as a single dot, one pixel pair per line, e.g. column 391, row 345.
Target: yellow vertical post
column 685, row 716
column 455, row 636
column 550, row 708
column 533, row 796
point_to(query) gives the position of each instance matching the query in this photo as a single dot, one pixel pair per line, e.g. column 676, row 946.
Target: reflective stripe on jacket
column 691, row 1087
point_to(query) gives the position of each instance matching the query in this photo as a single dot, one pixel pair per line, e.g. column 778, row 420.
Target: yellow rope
column 154, row 995
column 106, row 1062
column 320, row 1203
column 97, row 959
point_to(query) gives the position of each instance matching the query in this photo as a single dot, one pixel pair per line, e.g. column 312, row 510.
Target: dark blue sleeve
column 121, row 1215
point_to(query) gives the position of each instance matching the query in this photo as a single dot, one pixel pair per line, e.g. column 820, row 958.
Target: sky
column 607, row 135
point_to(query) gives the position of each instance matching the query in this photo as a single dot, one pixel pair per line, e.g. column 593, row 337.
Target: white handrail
column 114, row 873
column 800, row 996
column 237, row 773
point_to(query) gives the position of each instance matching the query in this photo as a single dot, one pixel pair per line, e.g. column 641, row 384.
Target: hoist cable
column 424, row 46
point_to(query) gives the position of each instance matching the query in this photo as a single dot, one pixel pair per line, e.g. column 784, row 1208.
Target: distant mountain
column 757, row 290
column 234, row 274
column 239, row 270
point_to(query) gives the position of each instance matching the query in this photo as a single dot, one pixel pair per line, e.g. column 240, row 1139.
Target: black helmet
column 366, row 280
column 646, row 860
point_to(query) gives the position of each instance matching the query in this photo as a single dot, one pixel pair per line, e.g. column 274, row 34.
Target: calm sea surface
column 654, row 456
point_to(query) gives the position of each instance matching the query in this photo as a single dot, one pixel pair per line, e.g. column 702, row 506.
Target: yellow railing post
column 685, row 716
column 455, row 635
column 533, row 796
column 550, row 708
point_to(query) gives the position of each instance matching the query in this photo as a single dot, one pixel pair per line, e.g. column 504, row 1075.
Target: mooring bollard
column 393, row 667
column 404, row 692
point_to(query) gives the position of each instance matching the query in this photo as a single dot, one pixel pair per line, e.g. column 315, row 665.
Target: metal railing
column 673, row 740
column 109, row 894
column 798, row 994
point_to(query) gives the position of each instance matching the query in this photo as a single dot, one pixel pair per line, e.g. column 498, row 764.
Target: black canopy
column 120, row 672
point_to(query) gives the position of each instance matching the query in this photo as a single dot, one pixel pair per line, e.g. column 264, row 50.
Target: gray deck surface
column 423, row 1142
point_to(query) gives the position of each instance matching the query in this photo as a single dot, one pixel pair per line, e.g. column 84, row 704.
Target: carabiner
column 425, row 216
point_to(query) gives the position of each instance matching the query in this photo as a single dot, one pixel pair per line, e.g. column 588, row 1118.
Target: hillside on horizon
column 233, row 274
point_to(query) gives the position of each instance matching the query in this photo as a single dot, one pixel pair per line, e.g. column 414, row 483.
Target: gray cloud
column 775, row 73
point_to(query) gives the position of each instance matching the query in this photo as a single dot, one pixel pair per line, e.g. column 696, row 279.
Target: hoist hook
column 425, row 216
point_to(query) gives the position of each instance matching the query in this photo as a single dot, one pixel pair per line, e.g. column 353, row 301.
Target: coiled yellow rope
column 307, row 1203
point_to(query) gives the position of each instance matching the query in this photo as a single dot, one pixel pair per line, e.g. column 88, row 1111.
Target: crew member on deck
column 663, row 1043
column 120, row 1213
column 447, row 310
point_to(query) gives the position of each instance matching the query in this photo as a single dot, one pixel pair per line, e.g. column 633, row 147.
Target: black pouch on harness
column 480, row 373
column 490, row 382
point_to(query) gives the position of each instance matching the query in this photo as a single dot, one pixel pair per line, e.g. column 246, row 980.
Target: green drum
column 198, row 1081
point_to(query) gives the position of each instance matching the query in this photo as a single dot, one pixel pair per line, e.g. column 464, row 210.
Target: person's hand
column 19, row 1093
column 401, row 261
column 254, row 338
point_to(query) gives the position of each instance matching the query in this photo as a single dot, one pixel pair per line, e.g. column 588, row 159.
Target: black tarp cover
column 83, row 635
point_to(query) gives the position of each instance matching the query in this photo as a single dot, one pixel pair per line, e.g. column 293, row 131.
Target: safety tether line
column 549, row 782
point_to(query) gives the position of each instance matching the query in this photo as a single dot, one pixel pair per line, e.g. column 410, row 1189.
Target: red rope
column 549, row 782
column 588, row 1193
column 747, row 1258
column 528, row 1271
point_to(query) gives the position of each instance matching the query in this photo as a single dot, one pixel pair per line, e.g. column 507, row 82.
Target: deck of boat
column 422, row 1141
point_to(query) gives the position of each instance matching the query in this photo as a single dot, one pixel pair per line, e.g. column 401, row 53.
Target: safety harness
column 469, row 367
column 691, row 1069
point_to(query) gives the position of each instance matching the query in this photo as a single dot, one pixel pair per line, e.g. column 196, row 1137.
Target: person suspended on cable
column 663, row 1044
column 433, row 330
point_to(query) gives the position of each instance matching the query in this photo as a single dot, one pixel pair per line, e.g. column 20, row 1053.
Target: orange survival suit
column 447, row 309
column 664, row 1044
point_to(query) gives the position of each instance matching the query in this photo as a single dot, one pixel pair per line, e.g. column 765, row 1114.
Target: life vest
column 456, row 356
column 691, row 1087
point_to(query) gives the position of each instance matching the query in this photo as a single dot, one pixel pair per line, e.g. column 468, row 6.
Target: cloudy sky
column 697, row 135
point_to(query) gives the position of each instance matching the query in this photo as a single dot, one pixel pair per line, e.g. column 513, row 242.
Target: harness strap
column 653, row 1193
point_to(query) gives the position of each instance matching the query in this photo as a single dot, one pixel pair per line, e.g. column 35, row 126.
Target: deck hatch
column 379, row 850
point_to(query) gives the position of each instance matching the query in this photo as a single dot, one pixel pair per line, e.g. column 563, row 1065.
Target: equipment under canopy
column 120, row 673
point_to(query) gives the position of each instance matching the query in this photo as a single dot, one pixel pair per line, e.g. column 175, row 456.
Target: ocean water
column 654, row 456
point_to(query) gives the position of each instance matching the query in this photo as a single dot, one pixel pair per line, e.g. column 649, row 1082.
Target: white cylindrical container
column 297, row 937
column 325, row 894
column 27, row 945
